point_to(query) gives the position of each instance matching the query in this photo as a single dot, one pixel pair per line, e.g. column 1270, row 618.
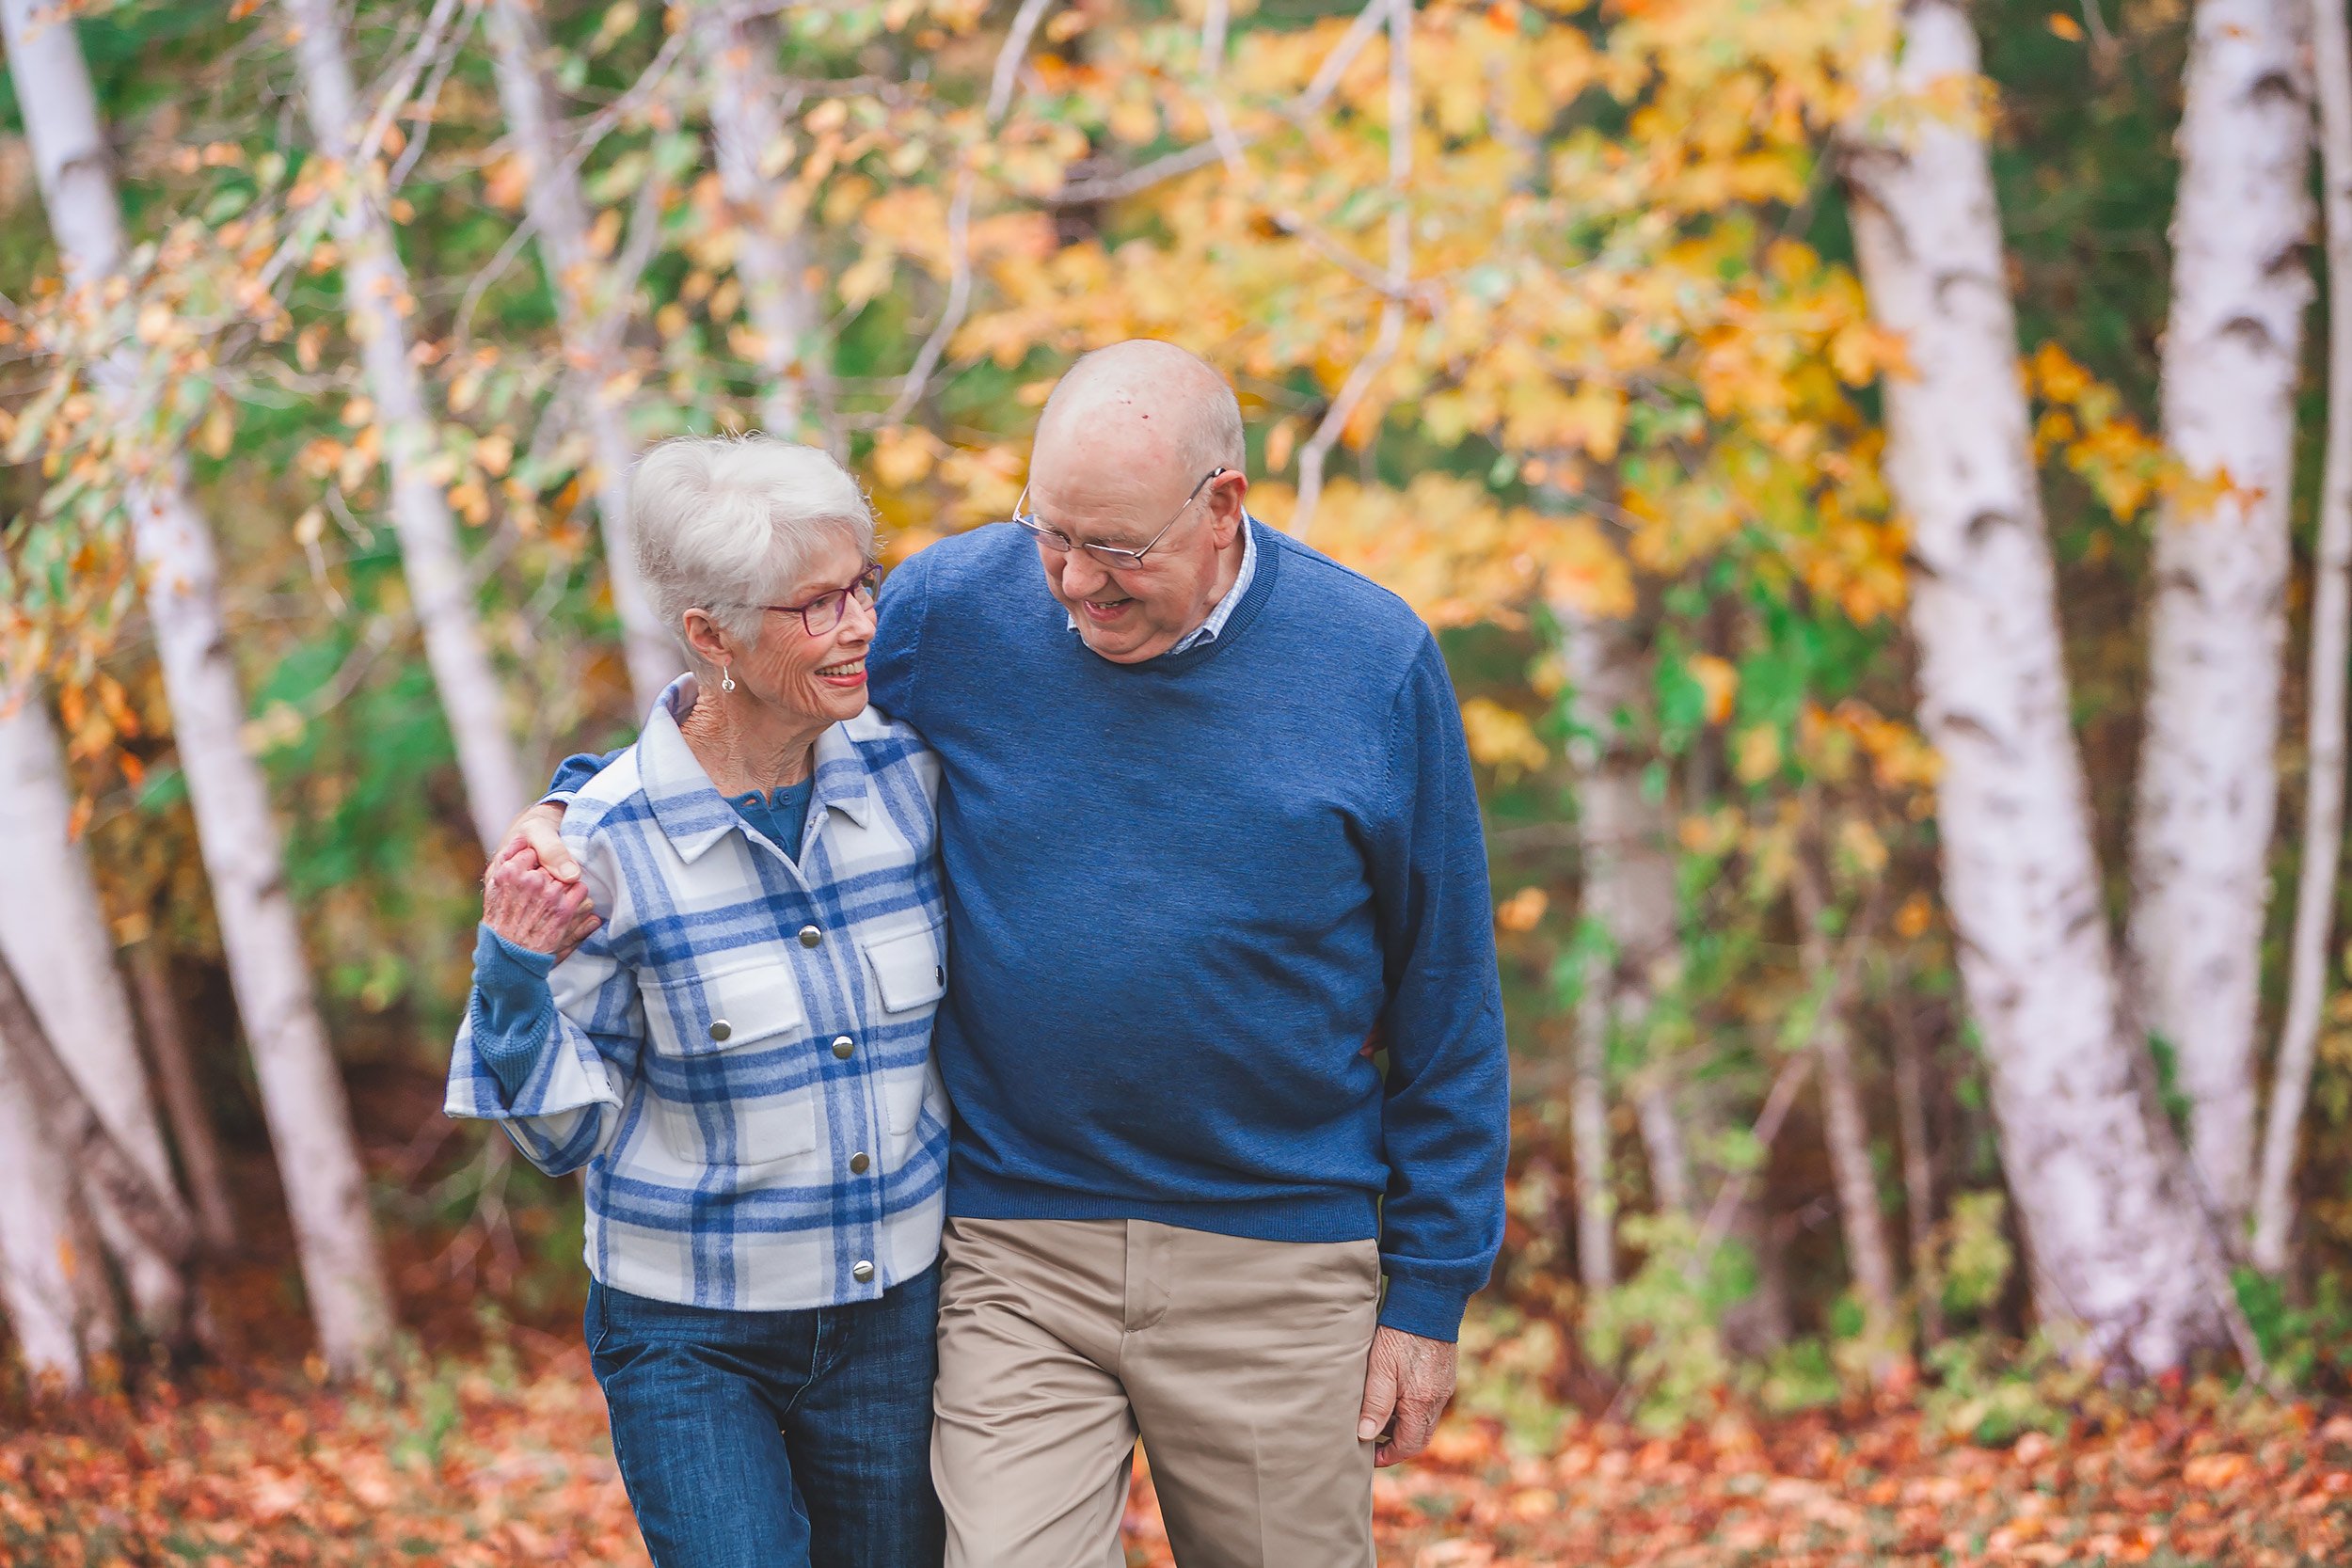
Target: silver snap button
column 720, row 1029
column 858, row 1163
column 842, row 1046
column 810, row 936
column 862, row 1271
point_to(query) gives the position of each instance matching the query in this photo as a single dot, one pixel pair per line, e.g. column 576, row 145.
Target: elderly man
column 1207, row 821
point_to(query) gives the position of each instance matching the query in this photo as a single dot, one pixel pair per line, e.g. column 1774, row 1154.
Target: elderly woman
column 739, row 1056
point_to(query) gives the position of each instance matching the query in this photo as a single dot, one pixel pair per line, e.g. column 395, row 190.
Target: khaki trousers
column 1239, row 1363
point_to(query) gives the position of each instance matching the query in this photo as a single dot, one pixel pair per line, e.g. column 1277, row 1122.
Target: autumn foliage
column 1547, row 315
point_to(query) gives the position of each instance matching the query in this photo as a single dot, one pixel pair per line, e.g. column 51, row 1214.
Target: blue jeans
column 774, row 1439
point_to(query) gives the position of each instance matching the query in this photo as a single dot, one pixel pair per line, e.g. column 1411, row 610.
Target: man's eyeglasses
column 1109, row 555
column 824, row 613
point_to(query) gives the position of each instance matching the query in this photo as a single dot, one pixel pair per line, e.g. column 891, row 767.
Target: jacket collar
column 694, row 815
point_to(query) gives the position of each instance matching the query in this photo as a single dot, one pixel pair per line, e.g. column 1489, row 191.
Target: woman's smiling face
column 820, row 676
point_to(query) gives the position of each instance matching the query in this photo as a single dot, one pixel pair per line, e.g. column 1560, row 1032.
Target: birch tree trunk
column 2331, row 643
column 2114, row 1240
column 591, row 320
column 54, row 932
column 1911, row 1110
column 302, row 1095
column 51, row 1280
column 1847, row 1129
column 1621, row 868
column 191, row 1130
column 2208, row 778
column 377, row 302
column 748, row 106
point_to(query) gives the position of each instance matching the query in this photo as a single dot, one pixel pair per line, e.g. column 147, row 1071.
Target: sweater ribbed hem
column 1328, row 1216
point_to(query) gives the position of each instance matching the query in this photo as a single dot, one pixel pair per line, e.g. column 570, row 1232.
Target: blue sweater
column 1180, row 895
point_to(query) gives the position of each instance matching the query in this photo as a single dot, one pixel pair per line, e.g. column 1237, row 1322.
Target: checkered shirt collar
column 694, row 815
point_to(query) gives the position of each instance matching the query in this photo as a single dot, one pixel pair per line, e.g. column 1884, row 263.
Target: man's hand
column 1406, row 1389
column 533, row 896
column 536, row 840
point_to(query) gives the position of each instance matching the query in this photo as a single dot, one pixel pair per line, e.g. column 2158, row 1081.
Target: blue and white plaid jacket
column 741, row 1054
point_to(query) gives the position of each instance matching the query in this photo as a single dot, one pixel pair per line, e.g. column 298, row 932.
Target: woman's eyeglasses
column 1109, row 555
column 822, row 613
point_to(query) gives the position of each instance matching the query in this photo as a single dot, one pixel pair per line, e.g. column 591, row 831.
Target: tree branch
column 1791, row 1081
column 1001, row 83
column 1391, row 333
column 1114, row 187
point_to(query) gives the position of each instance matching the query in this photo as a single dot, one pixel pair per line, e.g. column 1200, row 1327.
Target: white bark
column 49, row 1279
column 377, row 302
column 1911, row 1111
column 1588, row 1129
column 1613, row 834
column 2331, row 644
column 54, row 933
column 1628, row 877
column 748, row 106
column 302, row 1095
column 2116, row 1243
column 590, row 322
column 2208, row 777
column 1663, row 1148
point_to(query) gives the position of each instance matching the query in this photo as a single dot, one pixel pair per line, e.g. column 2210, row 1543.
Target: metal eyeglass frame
column 868, row 583
column 1113, row 556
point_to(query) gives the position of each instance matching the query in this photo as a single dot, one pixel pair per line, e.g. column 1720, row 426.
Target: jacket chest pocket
column 910, row 972
column 729, row 1087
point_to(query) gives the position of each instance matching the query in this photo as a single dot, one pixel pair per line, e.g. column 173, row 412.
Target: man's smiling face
column 1115, row 468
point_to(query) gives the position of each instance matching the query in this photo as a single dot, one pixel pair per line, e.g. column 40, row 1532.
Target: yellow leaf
column 1757, row 754
column 1522, row 909
column 1720, row 681
column 1913, row 918
column 1862, row 846
column 2066, row 28
column 219, row 429
column 606, row 234
column 902, row 456
column 1500, row 739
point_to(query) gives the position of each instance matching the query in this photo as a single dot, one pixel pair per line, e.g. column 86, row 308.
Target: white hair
column 724, row 523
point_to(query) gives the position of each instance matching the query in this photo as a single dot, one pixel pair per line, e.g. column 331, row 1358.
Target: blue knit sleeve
column 575, row 771
column 513, row 1007
column 1446, row 1118
column 897, row 635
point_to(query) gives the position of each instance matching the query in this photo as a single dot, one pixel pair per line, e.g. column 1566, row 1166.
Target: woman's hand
column 523, row 903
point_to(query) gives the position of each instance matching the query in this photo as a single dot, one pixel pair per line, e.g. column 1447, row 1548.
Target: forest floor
column 485, row 1445
column 501, row 1458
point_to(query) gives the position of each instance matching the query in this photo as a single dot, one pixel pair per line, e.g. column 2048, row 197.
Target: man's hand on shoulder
column 1407, row 1385
column 537, row 839
column 531, row 895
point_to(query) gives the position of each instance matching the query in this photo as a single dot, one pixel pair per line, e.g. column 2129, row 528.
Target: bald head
column 1148, row 402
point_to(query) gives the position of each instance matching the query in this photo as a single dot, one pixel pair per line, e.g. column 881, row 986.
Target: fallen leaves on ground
column 503, row 1459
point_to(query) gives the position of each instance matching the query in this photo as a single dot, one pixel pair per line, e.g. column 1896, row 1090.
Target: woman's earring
column 727, row 680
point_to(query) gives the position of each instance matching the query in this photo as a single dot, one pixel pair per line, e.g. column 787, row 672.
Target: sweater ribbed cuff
column 1422, row 1307
column 512, row 1008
